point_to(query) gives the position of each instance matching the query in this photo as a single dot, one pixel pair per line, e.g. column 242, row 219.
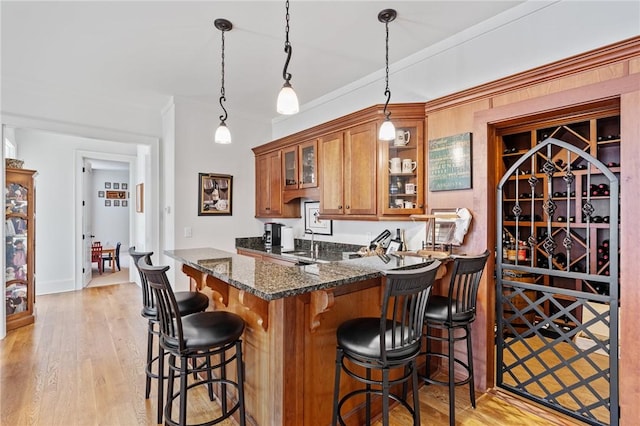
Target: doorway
column 107, row 217
column 557, row 269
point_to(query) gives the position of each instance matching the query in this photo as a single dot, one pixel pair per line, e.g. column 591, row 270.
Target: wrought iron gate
column 557, row 282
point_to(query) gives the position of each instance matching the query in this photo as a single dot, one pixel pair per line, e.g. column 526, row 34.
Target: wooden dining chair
column 96, row 255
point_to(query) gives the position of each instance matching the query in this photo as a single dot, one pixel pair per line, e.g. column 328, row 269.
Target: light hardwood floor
column 82, row 363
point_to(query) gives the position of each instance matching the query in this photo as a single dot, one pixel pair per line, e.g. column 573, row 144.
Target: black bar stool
column 456, row 311
column 197, row 340
column 189, row 302
column 386, row 343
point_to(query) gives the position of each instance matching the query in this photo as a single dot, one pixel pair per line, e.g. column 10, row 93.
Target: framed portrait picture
column 124, row 186
column 124, row 203
column 215, row 194
column 116, row 185
column 107, row 203
column 107, row 185
column 100, row 194
column 312, row 219
column 116, row 203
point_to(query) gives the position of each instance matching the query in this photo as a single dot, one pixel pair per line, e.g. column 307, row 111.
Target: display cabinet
column 300, row 166
column 20, row 247
column 402, row 173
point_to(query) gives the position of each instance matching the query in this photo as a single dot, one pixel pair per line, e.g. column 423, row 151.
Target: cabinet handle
column 268, row 208
column 348, row 207
column 300, row 182
column 340, row 206
column 420, row 206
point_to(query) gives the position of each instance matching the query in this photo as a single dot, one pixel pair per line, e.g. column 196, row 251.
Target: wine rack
column 556, row 205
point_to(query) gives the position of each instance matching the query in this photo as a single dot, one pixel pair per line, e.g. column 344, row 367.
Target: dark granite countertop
column 270, row 281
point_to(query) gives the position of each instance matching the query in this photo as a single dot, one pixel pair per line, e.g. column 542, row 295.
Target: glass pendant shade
column 223, row 135
column 387, row 131
column 287, row 100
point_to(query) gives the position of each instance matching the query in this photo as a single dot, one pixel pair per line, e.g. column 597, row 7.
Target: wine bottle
column 560, row 260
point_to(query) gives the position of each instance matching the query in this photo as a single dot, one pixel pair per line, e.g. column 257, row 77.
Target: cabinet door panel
column 331, row 160
column 360, row 170
column 268, row 185
column 275, row 184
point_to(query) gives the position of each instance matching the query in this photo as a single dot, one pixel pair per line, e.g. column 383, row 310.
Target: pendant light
column 223, row 135
column 387, row 131
column 287, row 99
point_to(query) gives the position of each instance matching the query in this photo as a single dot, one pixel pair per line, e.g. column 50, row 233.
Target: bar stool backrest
column 169, row 317
column 403, row 308
column 463, row 288
column 148, row 301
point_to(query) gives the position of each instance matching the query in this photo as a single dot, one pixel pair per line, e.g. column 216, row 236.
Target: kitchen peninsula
column 291, row 315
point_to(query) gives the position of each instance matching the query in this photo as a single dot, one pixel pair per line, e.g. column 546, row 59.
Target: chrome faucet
column 313, row 249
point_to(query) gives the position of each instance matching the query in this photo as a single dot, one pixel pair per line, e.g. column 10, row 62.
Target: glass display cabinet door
column 308, row 164
column 290, row 167
column 300, row 166
column 16, row 229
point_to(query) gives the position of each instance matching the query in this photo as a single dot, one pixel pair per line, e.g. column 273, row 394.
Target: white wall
column 110, row 224
column 191, row 125
column 53, row 156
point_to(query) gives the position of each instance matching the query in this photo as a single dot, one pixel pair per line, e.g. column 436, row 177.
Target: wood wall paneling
column 629, row 265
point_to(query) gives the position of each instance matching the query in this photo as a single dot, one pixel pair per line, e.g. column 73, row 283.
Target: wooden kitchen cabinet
column 300, row 166
column 269, row 188
column 348, row 172
column 340, row 164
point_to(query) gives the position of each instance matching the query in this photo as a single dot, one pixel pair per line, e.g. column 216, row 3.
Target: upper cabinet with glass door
column 300, row 165
column 402, row 171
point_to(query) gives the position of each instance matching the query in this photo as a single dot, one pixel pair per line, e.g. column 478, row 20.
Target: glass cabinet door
column 308, row 164
column 16, row 231
column 300, row 166
column 290, row 167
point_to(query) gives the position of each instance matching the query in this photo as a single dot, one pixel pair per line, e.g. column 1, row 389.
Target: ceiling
column 144, row 52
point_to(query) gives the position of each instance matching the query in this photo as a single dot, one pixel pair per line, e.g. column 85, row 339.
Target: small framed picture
column 124, row 186
column 214, row 194
column 107, row 203
column 116, row 203
column 312, row 219
column 116, row 185
column 107, row 185
column 100, row 194
column 124, row 203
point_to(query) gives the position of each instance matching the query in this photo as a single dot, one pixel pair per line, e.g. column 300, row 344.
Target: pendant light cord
column 287, row 47
column 223, row 118
column 387, row 92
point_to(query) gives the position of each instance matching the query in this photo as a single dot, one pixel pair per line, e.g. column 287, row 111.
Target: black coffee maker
column 272, row 235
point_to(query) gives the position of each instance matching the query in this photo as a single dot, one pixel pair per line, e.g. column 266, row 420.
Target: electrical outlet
column 187, row 232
